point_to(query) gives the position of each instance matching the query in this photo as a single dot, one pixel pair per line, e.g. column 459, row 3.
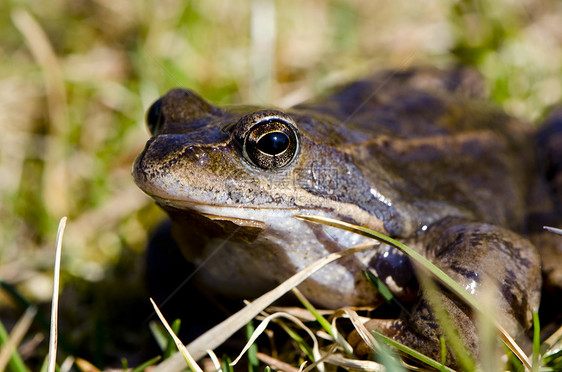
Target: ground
column 77, row 76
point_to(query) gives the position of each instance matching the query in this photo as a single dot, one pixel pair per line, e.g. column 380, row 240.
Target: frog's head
column 246, row 164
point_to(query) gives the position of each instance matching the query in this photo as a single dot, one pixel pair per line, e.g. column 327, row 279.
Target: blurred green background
column 76, row 77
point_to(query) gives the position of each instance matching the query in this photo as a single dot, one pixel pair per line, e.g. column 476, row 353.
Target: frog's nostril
column 196, row 154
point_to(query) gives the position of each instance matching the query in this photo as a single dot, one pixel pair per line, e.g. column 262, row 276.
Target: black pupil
column 273, row 143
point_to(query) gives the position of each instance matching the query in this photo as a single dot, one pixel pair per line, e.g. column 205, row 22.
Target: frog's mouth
column 260, row 217
column 250, row 217
column 235, row 220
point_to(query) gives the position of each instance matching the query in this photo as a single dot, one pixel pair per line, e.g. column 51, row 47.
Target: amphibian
column 418, row 155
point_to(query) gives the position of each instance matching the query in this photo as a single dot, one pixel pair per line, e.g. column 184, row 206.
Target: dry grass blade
column 67, row 364
column 55, row 300
column 263, row 325
column 86, row 366
column 188, row 358
column 553, row 340
column 17, row 334
column 361, row 329
column 215, row 360
column 513, row 346
column 262, row 52
column 43, row 52
column 423, row 264
column 54, row 184
column 218, row 334
column 301, row 313
column 553, row 230
column 341, row 340
column 276, row 363
column 354, row 364
column 489, row 358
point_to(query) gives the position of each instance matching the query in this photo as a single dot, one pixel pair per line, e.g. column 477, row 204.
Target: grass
column 77, row 76
column 545, row 357
column 540, row 359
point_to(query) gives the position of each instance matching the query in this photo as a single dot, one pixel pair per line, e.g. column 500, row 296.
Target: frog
column 419, row 155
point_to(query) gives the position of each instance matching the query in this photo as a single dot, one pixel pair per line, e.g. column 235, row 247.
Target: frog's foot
column 400, row 332
column 393, row 328
column 480, row 258
column 419, row 330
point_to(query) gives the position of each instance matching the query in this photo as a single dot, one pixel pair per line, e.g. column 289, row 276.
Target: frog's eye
column 271, row 143
column 153, row 117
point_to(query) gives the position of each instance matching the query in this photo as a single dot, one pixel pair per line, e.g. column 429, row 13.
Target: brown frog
column 417, row 155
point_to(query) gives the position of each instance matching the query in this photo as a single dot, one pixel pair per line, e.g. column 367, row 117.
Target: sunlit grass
column 336, row 350
column 77, row 76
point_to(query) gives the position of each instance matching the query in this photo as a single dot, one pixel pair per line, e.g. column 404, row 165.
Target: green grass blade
column 227, row 364
column 457, row 347
column 424, row 265
column 319, row 317
column 413, row 353
column 554, row 361
column 388, row 357
column 159, row 334
column 306, row 349
column 253, row 361
column 16, row 364
column 443, row 350
column 170, row 344
column 382, row 288
column 22, row 304
column 181, row 347
column 420, row 261
column 147, row 364
column 536, row 341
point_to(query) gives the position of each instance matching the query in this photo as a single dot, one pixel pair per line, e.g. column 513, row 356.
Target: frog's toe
column 420, row 330
column 399, row 331
column 388, row 327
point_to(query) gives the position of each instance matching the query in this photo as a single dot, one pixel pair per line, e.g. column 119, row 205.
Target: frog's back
column 431, row 145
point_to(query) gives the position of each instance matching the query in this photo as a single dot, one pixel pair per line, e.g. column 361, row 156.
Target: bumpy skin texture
column 416, row 155
column 499, row 254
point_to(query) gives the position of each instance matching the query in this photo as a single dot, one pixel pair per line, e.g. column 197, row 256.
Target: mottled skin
column 416, row 155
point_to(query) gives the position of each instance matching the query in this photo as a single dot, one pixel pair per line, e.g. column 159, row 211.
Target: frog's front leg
column 469, row 253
